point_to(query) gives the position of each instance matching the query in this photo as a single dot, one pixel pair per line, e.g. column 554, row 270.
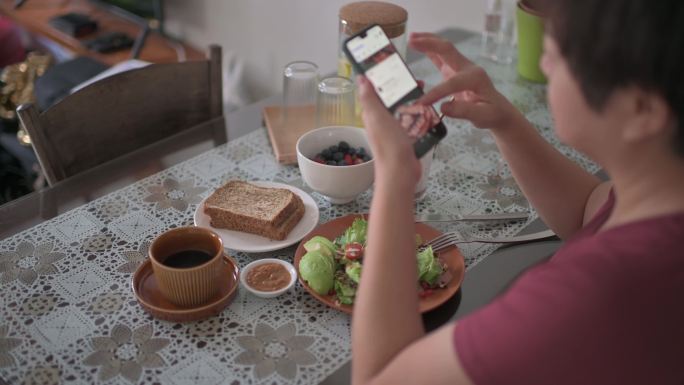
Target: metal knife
column 471, row 218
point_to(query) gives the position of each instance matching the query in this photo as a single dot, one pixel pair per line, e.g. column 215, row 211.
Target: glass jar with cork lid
column 356, row 16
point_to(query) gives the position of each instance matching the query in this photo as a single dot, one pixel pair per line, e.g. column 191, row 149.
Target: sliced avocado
column 316, row 270
column 322, row 244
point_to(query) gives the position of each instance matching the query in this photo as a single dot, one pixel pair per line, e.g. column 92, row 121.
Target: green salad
column 334, row 267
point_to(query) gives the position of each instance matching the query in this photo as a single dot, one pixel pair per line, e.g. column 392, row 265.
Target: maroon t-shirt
column 607, row 308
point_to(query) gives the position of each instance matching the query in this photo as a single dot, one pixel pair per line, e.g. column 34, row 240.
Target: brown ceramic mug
column 187, row 264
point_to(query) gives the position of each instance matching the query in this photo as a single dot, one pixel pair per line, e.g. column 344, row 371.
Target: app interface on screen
column 382, row 65
column 392, row 80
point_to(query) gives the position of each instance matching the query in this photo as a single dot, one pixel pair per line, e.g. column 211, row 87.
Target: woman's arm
column 597, row 199
column 431, row 360
column 388, row 340
column 557, row 187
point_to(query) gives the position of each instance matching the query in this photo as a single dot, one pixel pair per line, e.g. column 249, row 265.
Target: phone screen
column 374, row 55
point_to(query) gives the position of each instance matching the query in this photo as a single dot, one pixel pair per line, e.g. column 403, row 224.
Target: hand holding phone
column 372, row 54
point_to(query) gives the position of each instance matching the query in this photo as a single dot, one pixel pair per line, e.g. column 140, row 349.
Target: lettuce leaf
column 356, row 232
column 353, row 271
column 345, row 291
column 429, row 268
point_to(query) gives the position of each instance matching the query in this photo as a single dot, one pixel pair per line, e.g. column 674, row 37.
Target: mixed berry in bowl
column 342, row 154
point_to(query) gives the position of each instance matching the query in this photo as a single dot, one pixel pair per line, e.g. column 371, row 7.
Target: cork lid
column 357, row 16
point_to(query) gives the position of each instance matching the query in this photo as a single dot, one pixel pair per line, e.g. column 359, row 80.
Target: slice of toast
column 242, row 206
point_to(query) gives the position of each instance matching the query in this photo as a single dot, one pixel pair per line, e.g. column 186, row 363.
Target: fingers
column 421, row 84
column 462, row 81
column 374, row 112
column 431, row 44
column 422, row 34
column 474, row 112
column 434, row 58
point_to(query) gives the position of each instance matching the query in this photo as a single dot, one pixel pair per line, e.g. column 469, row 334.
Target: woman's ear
column 647, row 113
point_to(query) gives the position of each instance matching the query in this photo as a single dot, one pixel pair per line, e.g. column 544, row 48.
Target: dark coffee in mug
column 187, row 264
column 186, row 259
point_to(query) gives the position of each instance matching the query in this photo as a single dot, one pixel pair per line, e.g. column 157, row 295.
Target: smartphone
column 372, row 54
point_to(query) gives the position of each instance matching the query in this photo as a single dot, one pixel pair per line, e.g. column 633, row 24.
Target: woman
column 608, row 307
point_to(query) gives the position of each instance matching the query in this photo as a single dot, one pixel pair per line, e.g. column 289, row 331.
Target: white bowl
column 339, row 184
column 268, row 294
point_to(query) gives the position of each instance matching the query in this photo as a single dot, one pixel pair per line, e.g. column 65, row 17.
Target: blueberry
column 342, row 163
column 366, row 158
column 351, row 151
column 333, row 149
column 331, row 163
column 338, row 156
column 362, row 151
column 344, row 146
column 326, row 154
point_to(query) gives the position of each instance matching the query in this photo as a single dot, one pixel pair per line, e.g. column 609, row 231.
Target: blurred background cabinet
column 41, row 64
column 126, row 16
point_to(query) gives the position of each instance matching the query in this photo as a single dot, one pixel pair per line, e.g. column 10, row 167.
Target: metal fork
column 452, row 238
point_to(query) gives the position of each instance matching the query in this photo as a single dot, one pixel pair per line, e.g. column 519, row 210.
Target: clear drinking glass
column 299, row 88
column 335, row 106
column 498, row 36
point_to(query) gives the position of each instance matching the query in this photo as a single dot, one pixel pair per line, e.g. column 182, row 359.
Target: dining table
column 68, row 252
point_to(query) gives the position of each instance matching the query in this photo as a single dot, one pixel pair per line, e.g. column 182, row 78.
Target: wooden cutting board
column 284, row 132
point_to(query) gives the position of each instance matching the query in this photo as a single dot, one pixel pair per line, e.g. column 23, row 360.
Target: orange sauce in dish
column 268, row 277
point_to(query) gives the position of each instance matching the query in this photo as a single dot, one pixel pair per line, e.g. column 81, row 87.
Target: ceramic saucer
column 149, row 296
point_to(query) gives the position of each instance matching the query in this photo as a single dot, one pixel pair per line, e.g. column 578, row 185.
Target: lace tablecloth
column 67, row 313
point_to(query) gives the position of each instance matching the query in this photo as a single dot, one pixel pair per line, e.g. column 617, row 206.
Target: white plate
column 251, row 243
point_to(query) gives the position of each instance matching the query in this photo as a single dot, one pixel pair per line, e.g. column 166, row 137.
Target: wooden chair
column 125, row 112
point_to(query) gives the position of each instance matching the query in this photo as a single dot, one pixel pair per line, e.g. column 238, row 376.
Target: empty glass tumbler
column 299, row 89
column 335, row 102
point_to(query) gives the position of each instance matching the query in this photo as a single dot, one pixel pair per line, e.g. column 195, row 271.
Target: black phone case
column 434, row 135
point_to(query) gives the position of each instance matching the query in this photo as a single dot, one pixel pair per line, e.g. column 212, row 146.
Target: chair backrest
column 122, row 113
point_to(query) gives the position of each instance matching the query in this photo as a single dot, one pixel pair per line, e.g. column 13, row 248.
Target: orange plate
column 147, row 292
column 452, row 257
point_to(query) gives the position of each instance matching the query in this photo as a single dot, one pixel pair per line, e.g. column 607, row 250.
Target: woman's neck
column 647, row 187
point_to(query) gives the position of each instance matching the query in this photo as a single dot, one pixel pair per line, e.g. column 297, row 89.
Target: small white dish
column 252, row 243
column 268, row 294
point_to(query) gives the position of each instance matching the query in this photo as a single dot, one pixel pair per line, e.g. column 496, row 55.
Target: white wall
column 267, row 34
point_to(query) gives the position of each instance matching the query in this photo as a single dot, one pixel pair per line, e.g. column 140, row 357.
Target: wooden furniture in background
column 35, row 15
column 124, row 112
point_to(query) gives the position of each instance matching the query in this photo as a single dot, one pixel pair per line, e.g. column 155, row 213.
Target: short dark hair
column 610, row 44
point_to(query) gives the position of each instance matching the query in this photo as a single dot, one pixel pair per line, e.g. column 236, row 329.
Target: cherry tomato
column 353, row 251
